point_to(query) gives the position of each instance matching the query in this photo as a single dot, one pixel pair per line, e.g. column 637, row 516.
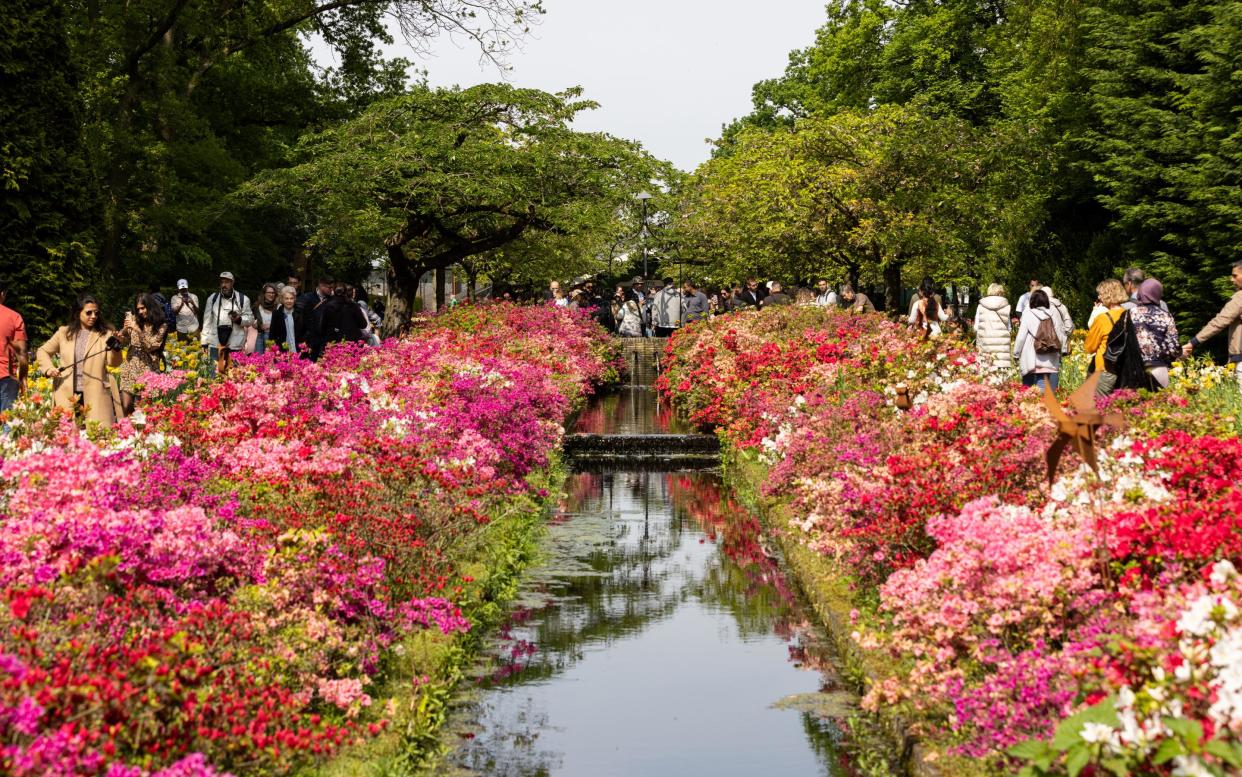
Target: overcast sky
column 667, row 73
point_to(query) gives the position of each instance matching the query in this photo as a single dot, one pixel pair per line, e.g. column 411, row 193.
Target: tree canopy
column 128, row 125
column 860, row 196
column 433, row 177
column 1120, row 119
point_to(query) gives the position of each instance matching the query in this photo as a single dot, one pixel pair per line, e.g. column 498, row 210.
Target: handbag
column 1123, row 358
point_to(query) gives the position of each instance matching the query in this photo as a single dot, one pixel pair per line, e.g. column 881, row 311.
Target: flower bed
column 228, row 588
column 1093, row 625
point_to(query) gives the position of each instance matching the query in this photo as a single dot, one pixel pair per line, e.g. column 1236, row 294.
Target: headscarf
column 1150, row 292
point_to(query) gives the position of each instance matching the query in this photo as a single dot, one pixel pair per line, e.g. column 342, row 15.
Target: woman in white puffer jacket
column 992, row 330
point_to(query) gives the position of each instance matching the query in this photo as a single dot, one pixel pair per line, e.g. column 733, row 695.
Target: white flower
column 1189, row 766
column 1223, row 571
column 1125, row 698
column 1197, row 620
column 1097, row 732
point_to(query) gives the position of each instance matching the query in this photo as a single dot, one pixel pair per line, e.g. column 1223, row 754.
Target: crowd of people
column 640, row 309
column 1132, row 337
column 80, row 354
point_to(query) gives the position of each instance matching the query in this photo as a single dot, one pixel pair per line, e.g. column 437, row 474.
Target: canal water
column 659, row 635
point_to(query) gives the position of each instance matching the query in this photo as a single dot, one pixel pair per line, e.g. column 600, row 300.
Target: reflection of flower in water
column 740, row 537
column 514, row 652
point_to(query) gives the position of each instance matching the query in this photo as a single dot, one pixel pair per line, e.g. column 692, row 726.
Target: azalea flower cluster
column 1014, row 614
column 224, row 589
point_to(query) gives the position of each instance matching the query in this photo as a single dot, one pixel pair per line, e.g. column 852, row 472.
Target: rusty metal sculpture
column 1079, row 428
column 902, row 400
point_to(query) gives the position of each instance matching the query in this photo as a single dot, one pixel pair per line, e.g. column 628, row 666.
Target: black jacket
column 277, row 333
column 750, row 298
column 343, row 321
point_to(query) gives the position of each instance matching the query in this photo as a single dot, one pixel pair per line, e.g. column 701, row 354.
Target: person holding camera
column 77, row 359
column 143, row 334
column 185, row 311
column 225, row 319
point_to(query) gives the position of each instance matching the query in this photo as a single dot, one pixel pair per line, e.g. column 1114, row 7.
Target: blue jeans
column 260, row 342
column 8, row 393
column 1037, row 379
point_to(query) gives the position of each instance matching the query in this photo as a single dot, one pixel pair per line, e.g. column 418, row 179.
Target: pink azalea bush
column 1000, row 579
column 224, row 589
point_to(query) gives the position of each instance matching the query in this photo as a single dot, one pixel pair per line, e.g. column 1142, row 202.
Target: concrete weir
column 632, row 425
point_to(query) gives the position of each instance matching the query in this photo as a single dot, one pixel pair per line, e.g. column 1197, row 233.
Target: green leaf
column 1079, row 757
column 1189, row 730
column 1030, row 749
column 1069, row 732
column 1229, row 753
column 1168, row 750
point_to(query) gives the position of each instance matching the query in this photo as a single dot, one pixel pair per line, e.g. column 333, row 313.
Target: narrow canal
column 658, row 636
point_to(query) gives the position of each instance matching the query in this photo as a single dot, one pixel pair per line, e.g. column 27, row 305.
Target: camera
column 112, row 343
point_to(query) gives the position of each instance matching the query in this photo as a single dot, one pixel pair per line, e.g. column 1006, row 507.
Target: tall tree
column 437, row 176
column 838, row 72
column 863, row 196
column 157, row 145
column 45, row 203
column 1166, row 145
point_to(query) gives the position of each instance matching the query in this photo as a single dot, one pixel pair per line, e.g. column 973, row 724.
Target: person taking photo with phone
column 143, row 334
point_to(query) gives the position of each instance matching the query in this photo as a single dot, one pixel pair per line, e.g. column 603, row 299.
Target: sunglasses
column 90, row 312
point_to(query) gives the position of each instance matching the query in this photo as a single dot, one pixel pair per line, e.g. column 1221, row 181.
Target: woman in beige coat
column 80, row 348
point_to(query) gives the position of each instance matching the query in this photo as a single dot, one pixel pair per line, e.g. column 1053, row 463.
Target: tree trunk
column 892, row 290
column 402, row 290
column 851, row 272
column 472, row 280
column 440, row 281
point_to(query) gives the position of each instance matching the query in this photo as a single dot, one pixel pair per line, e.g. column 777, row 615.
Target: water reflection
column 659, row 637
column 630, row 410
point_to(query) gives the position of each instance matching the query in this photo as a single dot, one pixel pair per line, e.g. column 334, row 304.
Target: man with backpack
column 1229, row 318
column 225, row 318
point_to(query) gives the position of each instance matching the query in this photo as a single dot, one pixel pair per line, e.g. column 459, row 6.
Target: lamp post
column 643, row 197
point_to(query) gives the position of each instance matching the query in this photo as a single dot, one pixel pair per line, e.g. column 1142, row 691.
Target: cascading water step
column 638, row 446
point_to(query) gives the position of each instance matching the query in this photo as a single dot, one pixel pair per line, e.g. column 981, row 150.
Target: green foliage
column 855, row 195
column 1072, row 751
column 46, row 199
column 1123, row 112
column 438, row 176
column 127, row 125
column 1167, row 141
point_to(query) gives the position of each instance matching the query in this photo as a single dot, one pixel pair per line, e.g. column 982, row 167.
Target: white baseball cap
column 182, row 283
column 226, row 274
